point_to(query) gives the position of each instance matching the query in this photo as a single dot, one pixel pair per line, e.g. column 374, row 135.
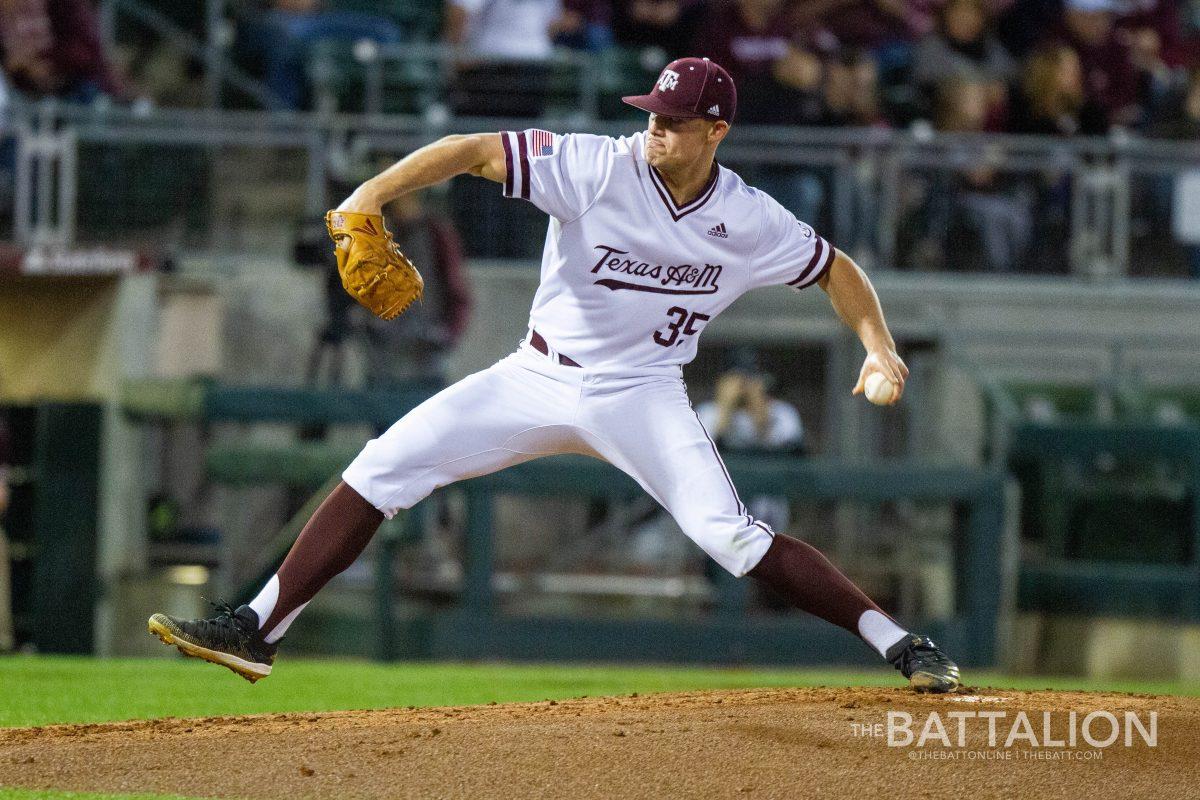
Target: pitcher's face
column 673, row 141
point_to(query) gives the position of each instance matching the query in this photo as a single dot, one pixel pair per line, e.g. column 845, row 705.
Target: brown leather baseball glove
column 373, row 269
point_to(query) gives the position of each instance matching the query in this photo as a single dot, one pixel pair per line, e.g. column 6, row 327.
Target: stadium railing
column 1116, row 207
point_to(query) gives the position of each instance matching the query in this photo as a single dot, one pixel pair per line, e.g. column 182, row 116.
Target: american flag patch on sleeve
column 541, row 143
column 520, row 148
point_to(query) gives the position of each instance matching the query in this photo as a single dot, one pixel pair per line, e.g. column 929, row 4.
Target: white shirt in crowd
column 510, row 28
column 784, row 428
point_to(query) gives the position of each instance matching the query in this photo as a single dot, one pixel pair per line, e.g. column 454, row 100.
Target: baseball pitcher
column 649, row 239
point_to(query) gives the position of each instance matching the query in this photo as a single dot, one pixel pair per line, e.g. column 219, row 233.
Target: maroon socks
column 800, row 574
column 335, row 536
column 345, row 522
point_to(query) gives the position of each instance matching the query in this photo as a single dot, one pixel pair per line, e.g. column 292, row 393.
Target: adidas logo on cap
column 715, row 111
column 718, row 231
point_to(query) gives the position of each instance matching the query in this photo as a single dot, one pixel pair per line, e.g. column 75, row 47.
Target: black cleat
column 924, row 664
column 230, row 639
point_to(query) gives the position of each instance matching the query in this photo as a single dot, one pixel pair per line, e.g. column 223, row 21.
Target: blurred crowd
column 54, row 47
column 1056, row 67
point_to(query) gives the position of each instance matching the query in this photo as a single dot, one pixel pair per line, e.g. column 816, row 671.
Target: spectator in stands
column 669, row 25
column 975, row 217
column 1110, row 79
column 505, row 45
column 851, row 98
column 53, row 48
column 743, row 417
column 851, row 92
column 1154, row 32
column 778, row 77
column 779, row 83
column 584, row 25
column 292, row 28
column 1052, row 99
column 1159, row 46
column 503, row 70
column 887, row 28
column 1021, row 25
column 963, row 47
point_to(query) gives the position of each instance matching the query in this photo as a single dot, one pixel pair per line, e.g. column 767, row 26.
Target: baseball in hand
column 878, row 389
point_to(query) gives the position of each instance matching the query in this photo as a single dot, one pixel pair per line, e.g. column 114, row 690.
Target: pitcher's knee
column 380, row 488
column 736, row 546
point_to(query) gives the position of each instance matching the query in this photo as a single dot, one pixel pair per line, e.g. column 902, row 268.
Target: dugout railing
column 475, row 626
column 1074, row 568
column 1106, row 449
column 1110, row 489
column 718, row 629
column 1109, row 476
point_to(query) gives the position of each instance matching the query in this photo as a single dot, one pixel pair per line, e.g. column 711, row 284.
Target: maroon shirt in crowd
column 53, row 47
column 750, row 53
column 449, row 262
column 669, row 24
column 1162, row 17
column 1110, row 79
column 864, row 24
column 745, row 52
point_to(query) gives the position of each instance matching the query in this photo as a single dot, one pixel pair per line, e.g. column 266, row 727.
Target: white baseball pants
column 528, row 405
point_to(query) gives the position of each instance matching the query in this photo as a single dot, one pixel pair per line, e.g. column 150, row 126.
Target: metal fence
column 1093, row 208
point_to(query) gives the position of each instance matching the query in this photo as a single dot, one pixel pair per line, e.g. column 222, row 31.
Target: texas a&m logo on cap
column 689, row 88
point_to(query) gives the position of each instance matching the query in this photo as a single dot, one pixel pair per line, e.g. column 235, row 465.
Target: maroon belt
column 540, row 345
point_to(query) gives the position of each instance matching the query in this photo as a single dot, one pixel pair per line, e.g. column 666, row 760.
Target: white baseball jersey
column 629, row 278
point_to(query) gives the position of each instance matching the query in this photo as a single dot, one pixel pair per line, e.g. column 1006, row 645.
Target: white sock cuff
column 264, row 604
column 879, row 631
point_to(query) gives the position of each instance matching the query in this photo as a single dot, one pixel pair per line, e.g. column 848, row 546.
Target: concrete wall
column 1031, row 328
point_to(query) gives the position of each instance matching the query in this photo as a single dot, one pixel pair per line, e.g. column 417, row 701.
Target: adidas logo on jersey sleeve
column 719, row 231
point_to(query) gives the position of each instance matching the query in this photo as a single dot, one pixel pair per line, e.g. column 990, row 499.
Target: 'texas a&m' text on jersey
column 629, row 279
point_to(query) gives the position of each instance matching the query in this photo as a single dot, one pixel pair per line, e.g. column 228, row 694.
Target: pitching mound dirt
column 765, row 744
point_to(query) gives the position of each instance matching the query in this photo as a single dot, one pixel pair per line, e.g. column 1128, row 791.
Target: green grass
column 39, row 690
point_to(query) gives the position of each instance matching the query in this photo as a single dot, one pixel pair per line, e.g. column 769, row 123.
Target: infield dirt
column 747, row 744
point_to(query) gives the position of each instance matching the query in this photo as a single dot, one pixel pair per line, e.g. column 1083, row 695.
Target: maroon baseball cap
column 690, row 88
